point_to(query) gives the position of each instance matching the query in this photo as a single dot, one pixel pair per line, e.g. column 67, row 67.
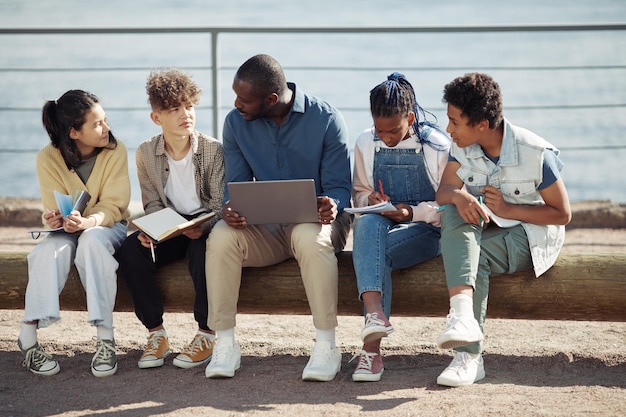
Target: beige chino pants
column 313, row 245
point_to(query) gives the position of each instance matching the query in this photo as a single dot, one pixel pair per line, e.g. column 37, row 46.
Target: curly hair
column 171, row 88
column 478, row 97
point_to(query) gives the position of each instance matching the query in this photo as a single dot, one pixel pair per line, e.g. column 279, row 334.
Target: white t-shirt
column 180, row 188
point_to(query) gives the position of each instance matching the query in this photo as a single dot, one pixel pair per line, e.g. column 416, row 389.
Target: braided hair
column 397, row 97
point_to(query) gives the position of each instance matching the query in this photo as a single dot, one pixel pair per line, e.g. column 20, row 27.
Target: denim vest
column 403, row 174
column 517, row 175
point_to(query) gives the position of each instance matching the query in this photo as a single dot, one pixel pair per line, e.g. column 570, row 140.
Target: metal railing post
column 215, row 78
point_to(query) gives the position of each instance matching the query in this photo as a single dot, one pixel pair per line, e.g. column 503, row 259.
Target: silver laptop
column 281, row 201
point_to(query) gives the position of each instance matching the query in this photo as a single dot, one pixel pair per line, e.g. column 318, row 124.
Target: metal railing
column 215, row 32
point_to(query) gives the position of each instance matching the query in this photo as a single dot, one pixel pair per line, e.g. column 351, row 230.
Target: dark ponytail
column 60, row 116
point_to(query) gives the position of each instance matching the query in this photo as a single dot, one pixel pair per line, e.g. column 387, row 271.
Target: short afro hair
column 478, row 97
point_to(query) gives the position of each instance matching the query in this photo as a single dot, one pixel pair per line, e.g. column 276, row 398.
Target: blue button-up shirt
column 311, row 143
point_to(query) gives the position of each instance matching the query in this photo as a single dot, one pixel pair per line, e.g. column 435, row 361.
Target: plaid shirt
column 153, row 171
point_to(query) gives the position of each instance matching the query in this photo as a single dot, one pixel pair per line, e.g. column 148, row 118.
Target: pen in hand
column 152, row 251
column 380, row 188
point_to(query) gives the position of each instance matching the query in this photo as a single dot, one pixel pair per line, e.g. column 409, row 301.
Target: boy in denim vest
column 515, row 174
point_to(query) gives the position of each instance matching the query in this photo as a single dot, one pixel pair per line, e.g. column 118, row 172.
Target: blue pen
column 442, row 208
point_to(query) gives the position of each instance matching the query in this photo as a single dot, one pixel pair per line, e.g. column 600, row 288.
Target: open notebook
column 167, row 223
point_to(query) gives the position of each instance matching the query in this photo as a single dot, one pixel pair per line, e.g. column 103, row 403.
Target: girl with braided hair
column 401, row 160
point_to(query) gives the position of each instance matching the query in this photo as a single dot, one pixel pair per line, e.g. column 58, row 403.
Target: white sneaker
column 465, row 369
column 225, row 361
column 460, row 331
column 324, row 363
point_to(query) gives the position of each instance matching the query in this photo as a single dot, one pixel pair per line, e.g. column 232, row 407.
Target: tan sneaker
column 156, row 351
column 198, row 352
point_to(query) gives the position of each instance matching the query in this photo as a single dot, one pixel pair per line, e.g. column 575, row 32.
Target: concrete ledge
column 578, row 287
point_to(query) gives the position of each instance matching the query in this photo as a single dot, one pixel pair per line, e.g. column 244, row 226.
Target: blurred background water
column 569, row 87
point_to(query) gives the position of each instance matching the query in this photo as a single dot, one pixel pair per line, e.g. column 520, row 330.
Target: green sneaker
column 104, row 362
column 37, row 361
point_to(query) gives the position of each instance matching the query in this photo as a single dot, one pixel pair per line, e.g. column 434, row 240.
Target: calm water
column 571, row 88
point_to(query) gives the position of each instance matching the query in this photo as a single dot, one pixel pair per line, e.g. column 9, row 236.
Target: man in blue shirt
column 277, row 132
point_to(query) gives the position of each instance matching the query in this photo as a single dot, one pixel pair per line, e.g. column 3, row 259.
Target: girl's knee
column 94, row 240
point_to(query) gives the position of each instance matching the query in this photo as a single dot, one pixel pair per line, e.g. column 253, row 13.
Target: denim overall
column 381, row 245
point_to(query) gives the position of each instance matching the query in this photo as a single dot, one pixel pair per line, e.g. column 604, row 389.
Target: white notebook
column 381, row 207
column 500, row 221
column 167, row 223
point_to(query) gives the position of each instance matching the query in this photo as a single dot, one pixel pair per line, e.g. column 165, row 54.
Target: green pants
column 472, row 254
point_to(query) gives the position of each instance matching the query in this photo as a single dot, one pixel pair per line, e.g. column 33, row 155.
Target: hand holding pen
column 376, row 197
column 469, row 208
column 147, row 242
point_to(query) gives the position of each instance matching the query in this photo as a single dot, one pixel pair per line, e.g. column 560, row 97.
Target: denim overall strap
column 403, row 174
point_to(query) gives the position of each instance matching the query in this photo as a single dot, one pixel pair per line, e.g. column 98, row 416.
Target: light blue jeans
column 381, row 245
column 49, row 264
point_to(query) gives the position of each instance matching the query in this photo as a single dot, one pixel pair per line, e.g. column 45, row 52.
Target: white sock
column 325, row 335
column 463, row 305
column 206, row 334
column 28, row 335
column 104, row 333
column 226, row 334
column 162, row 331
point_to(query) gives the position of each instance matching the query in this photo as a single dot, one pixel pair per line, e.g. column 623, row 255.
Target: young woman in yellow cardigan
column 82, row 155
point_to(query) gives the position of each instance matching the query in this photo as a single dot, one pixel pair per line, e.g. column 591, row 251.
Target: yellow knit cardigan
column 108, row 184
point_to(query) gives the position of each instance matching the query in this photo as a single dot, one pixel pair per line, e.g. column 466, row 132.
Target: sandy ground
column 540, row 368
column 545, row 368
